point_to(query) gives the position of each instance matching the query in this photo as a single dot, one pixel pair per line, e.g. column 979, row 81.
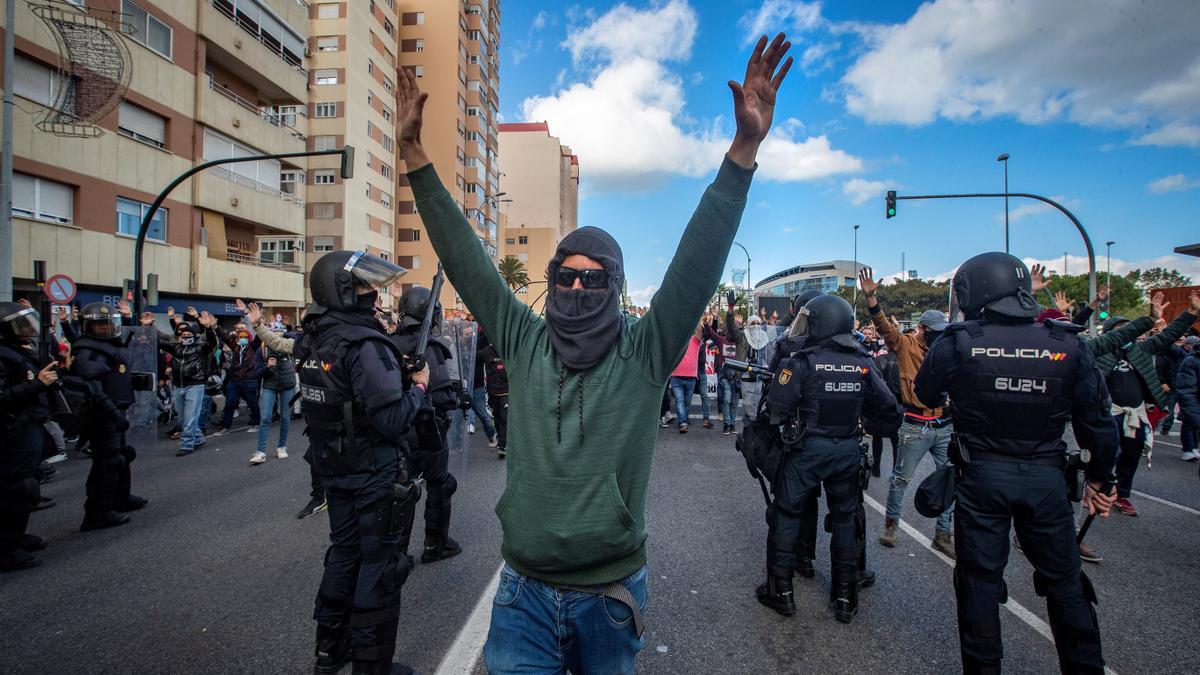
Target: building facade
column 540, row 205
column 209, row 79
column 826, row 277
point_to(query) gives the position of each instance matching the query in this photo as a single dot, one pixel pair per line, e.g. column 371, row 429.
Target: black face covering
column 585, row 324
column 365, row 302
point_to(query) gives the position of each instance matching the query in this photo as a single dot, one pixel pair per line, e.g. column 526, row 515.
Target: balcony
column 235, row 278
column 234, row 116
column 273, row 67
column 232, row 194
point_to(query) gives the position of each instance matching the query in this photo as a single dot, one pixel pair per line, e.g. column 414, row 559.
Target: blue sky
column 919, row 97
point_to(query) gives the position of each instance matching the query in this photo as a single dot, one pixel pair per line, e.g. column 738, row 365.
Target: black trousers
column 316, row 488
column 440, row 486
column 499, row 407
column 109, row 479
column 20, row 455
column 992, row 496
column 364, row 566
column 832, row 463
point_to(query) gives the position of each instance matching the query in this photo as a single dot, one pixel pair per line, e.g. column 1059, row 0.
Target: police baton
column 750, row 368
column 1109, row 486
column 418, row 355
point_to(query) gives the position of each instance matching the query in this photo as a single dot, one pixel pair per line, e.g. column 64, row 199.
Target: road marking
column 468, row 646
column 1160, row 500
column 1018, row 610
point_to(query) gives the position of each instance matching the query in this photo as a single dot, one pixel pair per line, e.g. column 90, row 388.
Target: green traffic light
column 891, row 212
column 1103, row 315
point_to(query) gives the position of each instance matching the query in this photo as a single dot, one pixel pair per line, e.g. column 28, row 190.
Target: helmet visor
column 102, row 326
column 23, row 324
column 369, row 270
column 800, row 325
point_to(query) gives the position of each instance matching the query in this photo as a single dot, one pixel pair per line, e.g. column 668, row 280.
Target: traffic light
column 1104, row 310
column 891, row 203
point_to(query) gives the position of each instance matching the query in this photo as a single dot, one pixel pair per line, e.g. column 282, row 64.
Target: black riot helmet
column 803, row 299
column 100, row 321
column 19, row 324
column 825, row 317
column 997, row 282
column 413, row 305
column 337, row 276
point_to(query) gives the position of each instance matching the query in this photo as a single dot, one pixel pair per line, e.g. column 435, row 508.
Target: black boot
column 102, row 520
column 32, row 542
column 843, row 598
column 45, row 503
column 866, row 578
column 381, row 668
column 130, row 503
column 17, row 559
column 804, row 567
column 776, row 593
column 333, row 648
column 440, row 550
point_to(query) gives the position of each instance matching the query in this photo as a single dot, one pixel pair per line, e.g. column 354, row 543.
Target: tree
column 1124, row 297
column 902, row 298
column 1158, row 277
column 513, row 272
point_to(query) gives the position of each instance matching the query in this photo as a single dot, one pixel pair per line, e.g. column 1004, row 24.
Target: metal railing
column 238, row 178
column 243, row 259
column 272, row 118
column 293, row 61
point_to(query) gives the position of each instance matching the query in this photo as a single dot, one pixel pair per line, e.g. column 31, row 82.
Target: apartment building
column 541, row 200
column 210, row 79
column 452, row 47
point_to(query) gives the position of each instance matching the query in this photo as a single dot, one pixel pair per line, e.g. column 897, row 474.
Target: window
column 142, row 125
column 387, row 143
column 416, row 234
column 370, row 97
column 387, row 113
column 416, row 262
column 285, row 114
column 129, row 219
column 384, row 255
column 146, row 29
column 412, row 19
column 328, row 44
column 387, row 85
column 322, row 244
column 280, row 251
column 370, row 67
column 264, row 172
column 324, row 177
column 323, row 210
column 523, row 257
column 385, row 170
column 288, row 180
column 328, row 10
column 36, row 82
column 523, row 240
column 388, row 27
column 474, row 111
column 419, row 71
column 324, row 142
column 417, row 45
column 385, row 199
column 328, row 76
column 42, row 199
column 325, row 109
column 370, row 129
column 509, row 241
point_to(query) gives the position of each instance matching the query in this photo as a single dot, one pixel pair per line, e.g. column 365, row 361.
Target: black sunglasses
column 590, row 279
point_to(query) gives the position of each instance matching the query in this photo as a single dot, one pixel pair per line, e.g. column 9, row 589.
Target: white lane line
column 468, row 646
column 1160, row 500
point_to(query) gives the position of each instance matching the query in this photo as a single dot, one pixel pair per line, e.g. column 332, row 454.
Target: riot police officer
column 100, row 367
column 428, row 452
column 357, row 408
column 1013, row 385
column 24, row 407
column 816, row 400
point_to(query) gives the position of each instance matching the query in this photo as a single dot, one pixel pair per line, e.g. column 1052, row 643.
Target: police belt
column 1057, row 461
column 613, row 591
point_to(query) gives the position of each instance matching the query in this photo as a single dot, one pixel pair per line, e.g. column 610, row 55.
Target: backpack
column 494, row 372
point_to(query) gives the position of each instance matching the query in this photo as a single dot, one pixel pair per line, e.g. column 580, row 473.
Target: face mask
column 187, row 341
column 366, row 301
column 575, row 302
column 243, row 342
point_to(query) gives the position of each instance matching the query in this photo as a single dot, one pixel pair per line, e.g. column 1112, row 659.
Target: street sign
column 60, row 289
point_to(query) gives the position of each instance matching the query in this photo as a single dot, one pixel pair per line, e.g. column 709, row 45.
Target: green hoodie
column 573, row 510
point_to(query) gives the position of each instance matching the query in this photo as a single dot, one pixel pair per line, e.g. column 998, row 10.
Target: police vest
column 822, row 389
column 1013, row 389
column 343, row 440
column 102, row 361
column 19, row 369
column 441, row 392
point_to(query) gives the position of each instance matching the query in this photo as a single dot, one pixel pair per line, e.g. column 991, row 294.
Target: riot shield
column 141, row 357
column 459, row 336
column 752, row 387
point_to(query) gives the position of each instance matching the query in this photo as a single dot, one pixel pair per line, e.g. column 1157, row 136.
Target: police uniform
column 100, row 368
column 816, row 401
column 357, row 408
column 24, row 407
column 1013, row 386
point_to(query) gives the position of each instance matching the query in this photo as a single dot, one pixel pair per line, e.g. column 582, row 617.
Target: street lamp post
column 749, row 293
column 1003, row 159
column 855, row 303
column 1108, row 271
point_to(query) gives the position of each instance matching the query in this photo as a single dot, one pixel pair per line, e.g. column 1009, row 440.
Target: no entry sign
column 60, row 289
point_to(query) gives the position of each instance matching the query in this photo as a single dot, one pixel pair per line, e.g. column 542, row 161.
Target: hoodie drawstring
column 562, row 377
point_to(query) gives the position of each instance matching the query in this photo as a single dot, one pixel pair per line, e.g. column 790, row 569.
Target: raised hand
column 1038, row 275
column 1061, row 302
column 869, row 285
column 754, row 98
column 47, row 376
column 191, row 311
column 410, row 119
column 206, row 319
column 123, row 308
column 170, row 312
column 1157, row 306
column 63, row 314
column 253, row 314
column 1194, row 301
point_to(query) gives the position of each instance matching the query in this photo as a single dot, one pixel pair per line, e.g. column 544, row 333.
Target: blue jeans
column 479, row 409
column 188, row 401
column 728, row 403
column 705, row 404
column 266, row 403
column 915, row 440
column 205, row 412
column 682, row 388
column 537, row 628
column 247, row 390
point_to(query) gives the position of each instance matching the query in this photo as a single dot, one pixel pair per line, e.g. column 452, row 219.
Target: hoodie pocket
column 563, row 524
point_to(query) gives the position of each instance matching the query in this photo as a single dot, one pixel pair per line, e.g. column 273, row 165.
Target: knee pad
column 974, row 591
column 113, row 463
column 1061, row 600
column 129, row 453
column 395, row 574
column 20, row 495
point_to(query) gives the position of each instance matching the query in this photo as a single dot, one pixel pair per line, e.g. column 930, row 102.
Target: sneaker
column 493, row 442
column 313, row 507
column 502, row 453
column 103, row 520
column 944, row 542
column 888, row 538
column 726, row 429
column 470, row 428
column 281, row 453
column 252, row 430
column 219, row 431
column 683, row 428
column 258, row 458
column 184, row 452
column 664, row 422
column 1089, row 554
column 1189, row 456
column 57, row 458
column 1125, row 506
column 175, row 435
column 708, row 424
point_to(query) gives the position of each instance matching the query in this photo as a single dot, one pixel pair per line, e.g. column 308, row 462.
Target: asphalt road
column 217, row 575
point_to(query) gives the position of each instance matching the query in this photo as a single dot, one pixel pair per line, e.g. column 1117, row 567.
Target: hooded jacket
column 581, row 441
column 1141, row 354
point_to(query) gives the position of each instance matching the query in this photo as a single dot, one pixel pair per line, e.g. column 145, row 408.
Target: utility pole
column 6, row 179
column 855, row 303
column 1004, row 159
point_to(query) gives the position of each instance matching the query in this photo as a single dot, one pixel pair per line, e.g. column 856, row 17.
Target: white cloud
column 626, row 119
column 1078, row 264
column 1027, row 208
column 1173, row 183
column 539, row 21
column 641, row 296
column 1117, row 65
column 529, row 45
column 781, row 15
column 859, row 191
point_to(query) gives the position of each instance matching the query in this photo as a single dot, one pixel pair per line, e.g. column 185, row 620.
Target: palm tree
column 513, row 272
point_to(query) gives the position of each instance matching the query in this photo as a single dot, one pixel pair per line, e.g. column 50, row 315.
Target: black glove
column 730, row 297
